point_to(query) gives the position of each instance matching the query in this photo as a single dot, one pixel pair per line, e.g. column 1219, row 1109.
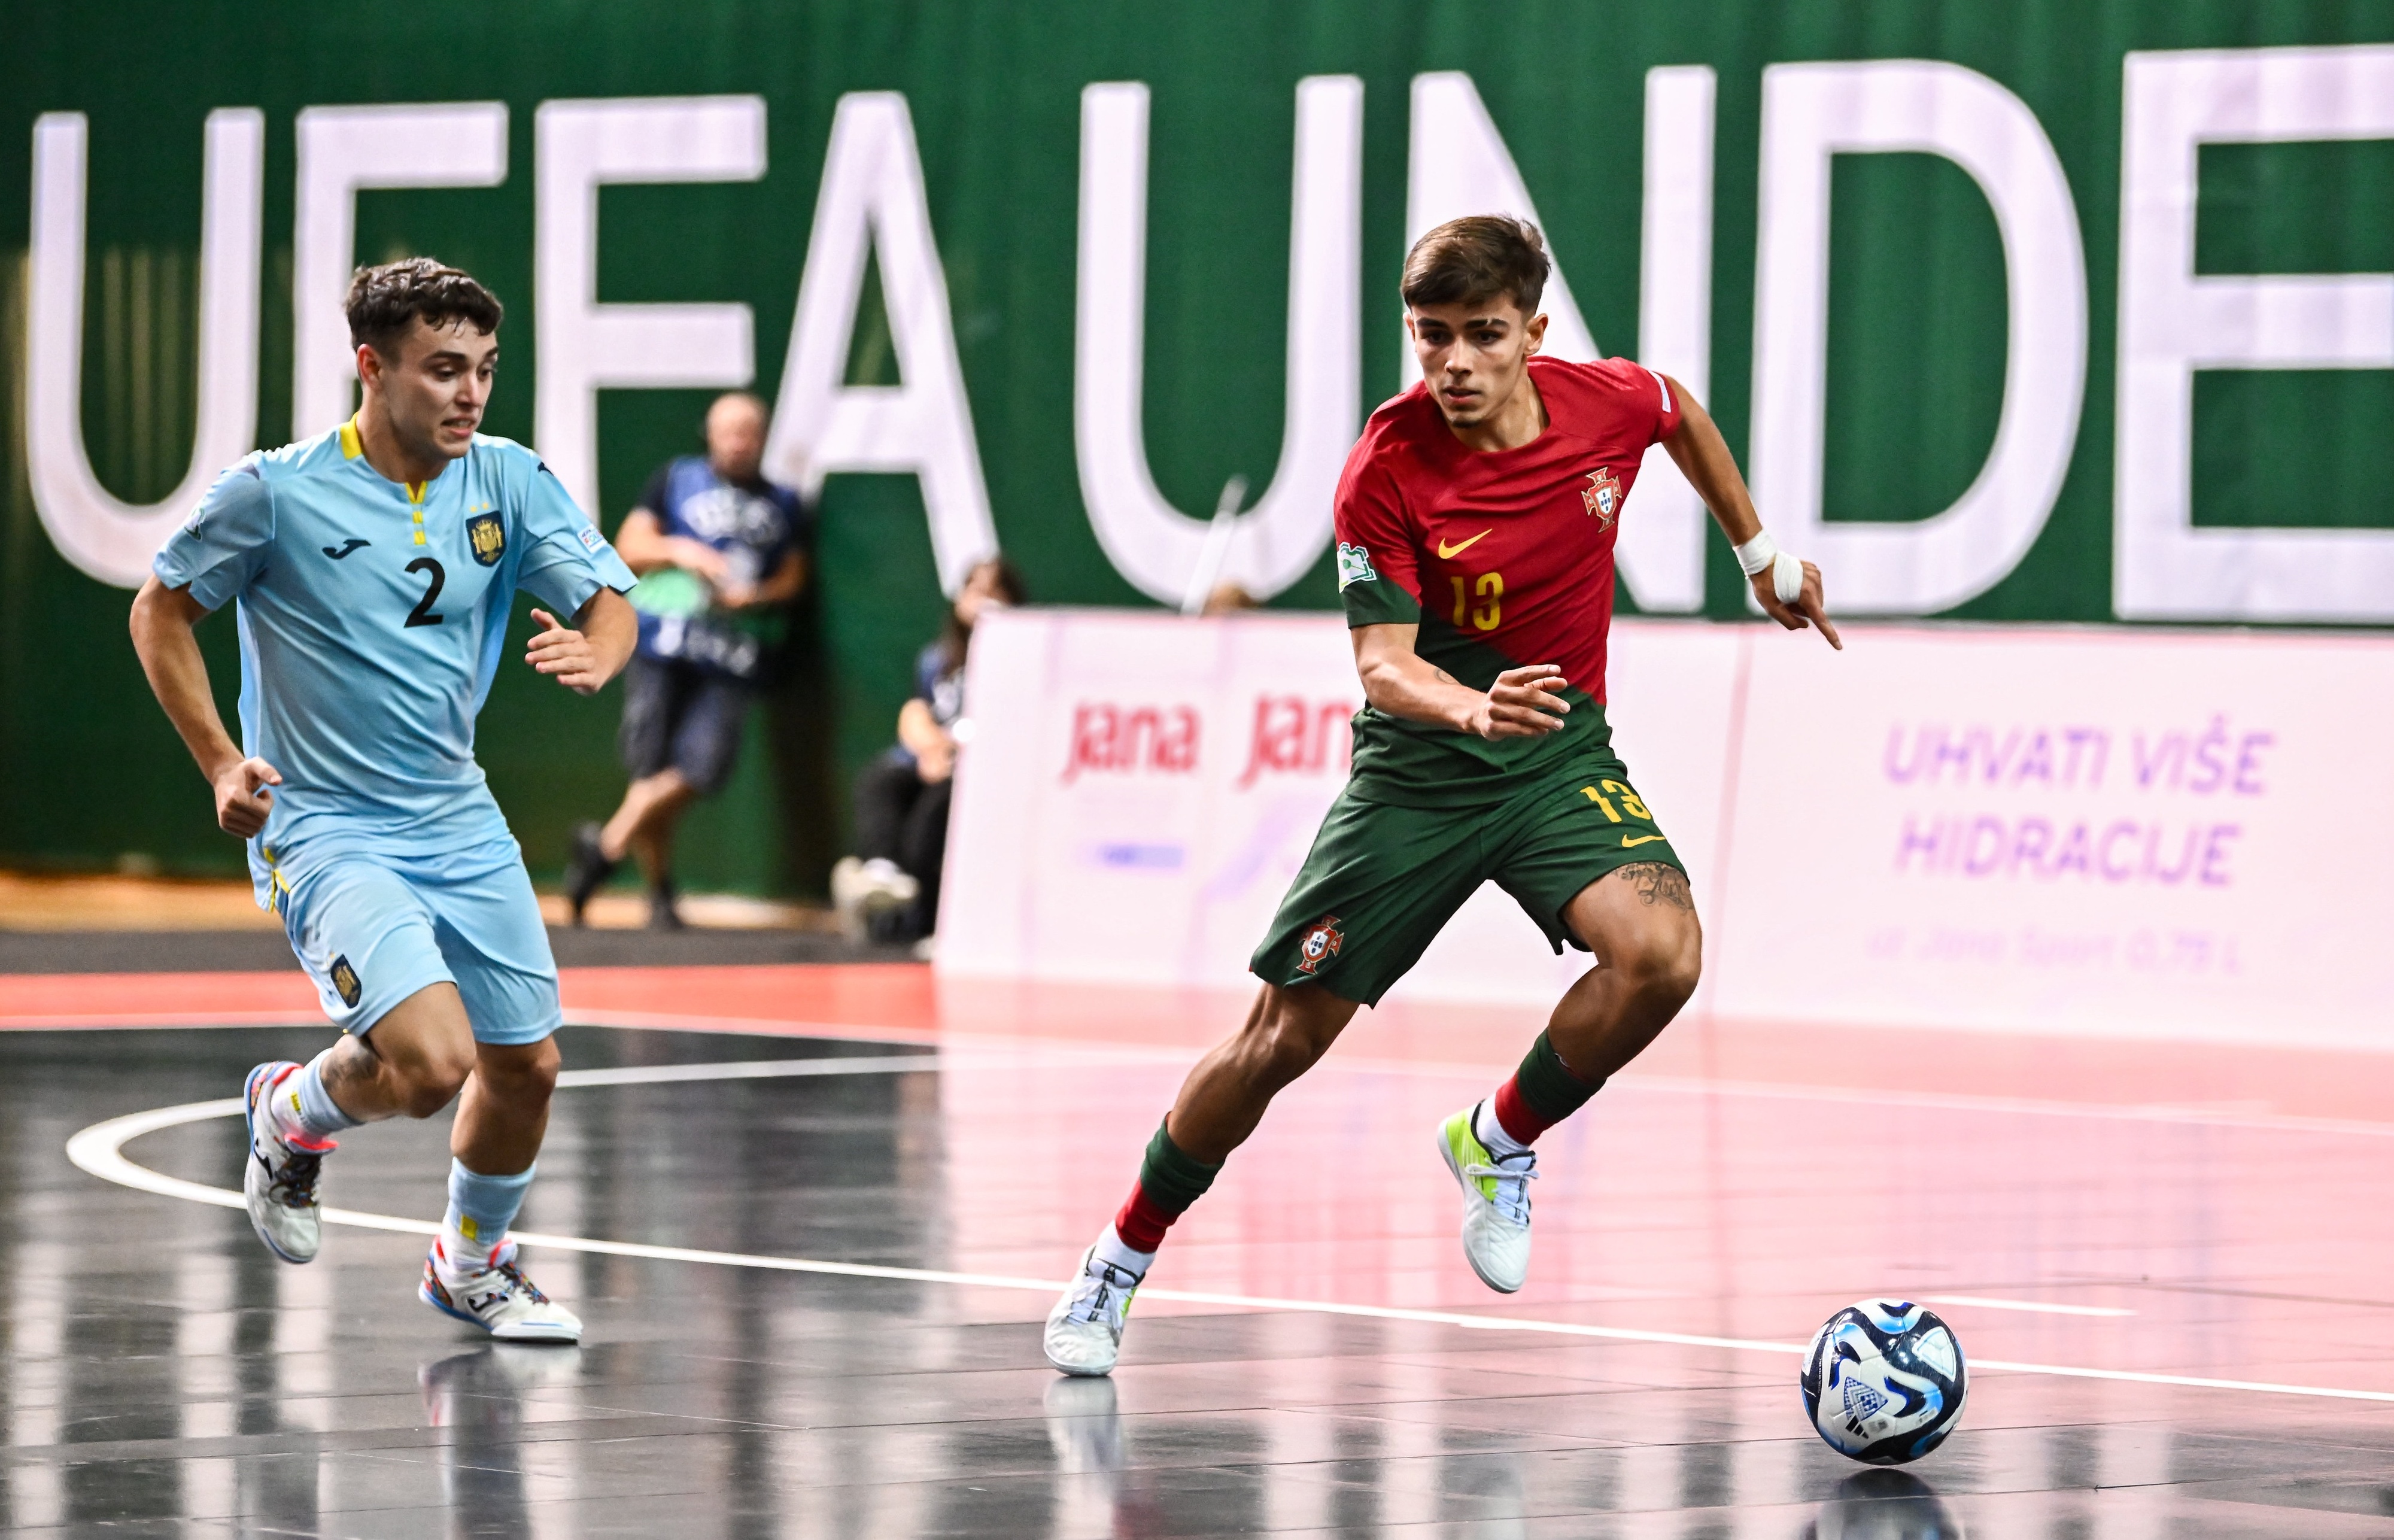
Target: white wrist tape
column 1757, row 553
column 1786, row 569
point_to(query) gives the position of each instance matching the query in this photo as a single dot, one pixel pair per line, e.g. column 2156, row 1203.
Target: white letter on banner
column 1811, row 112
column 344, row 151
column 1662, row 548
column 2173, row 323
column 582, row 345
column 1149, row 541
column 1460, row 166
column 114, row 541
column 872, row 200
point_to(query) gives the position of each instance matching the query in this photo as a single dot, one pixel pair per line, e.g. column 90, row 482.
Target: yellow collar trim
column 351, row 445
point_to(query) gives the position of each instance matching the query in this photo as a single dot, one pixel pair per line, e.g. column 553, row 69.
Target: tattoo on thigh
column 1659, row 883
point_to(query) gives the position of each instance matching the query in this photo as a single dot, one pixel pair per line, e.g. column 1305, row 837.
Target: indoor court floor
column 813, row 1218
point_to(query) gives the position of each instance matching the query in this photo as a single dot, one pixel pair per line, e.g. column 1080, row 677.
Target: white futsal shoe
column 860, row 889
column 279, row 1180
column 1495, row 1203
column 500, row 1299
column 1084, row 1330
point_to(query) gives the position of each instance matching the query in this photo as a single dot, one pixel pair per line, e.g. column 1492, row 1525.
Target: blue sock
column 480, row 1209
column 309, row 1106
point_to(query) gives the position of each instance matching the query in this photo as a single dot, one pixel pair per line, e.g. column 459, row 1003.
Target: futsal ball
column 1884, row 1381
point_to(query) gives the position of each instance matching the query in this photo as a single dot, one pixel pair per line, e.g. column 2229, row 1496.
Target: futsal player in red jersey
column 1476, row 525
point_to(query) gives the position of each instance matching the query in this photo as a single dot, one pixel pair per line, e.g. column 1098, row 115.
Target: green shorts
column 1381, row 881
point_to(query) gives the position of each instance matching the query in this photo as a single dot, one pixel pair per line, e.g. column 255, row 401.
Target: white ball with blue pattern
column 1884, row 1381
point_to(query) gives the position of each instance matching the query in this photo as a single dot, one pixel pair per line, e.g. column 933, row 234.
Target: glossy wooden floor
column 841, row 1339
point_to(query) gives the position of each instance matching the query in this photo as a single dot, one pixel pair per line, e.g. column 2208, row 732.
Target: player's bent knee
column 428, row 1086
column 1670, row 966
column 525, row 1072
column 1287, row 1040
column 1662, row 962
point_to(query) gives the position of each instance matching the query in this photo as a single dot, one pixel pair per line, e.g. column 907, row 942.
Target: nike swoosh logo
column 1448, row 553
column 1641, row 839
column 351, row 545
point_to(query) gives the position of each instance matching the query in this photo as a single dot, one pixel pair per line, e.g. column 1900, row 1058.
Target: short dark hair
column 1478, row 258
column 383, row 299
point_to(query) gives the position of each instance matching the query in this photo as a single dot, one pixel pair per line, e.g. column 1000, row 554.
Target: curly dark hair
column 1476, row 257
column 384, row 300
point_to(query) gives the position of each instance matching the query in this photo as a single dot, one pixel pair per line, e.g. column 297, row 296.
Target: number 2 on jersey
column 422, row 614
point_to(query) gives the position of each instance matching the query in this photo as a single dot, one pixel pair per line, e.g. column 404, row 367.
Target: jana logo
column 1355, row 565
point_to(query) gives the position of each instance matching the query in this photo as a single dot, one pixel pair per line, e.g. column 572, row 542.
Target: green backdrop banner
column 2042, row 312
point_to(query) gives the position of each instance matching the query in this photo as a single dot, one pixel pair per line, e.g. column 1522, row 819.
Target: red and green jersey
column 1503, row 558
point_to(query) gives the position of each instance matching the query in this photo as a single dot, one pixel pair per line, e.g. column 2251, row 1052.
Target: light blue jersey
column 372, row 616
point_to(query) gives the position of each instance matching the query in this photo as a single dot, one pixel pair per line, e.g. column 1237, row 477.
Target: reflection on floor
column 165, row 1376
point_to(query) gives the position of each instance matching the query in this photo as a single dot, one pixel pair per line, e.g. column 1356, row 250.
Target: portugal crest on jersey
column 488, row 537
column 1602, row 496
column 1319, row 944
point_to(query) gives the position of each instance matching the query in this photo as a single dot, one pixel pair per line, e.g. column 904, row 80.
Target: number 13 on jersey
column 1488, row 612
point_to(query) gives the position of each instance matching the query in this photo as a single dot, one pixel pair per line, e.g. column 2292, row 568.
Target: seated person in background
column 891, row 888
column 720, row 552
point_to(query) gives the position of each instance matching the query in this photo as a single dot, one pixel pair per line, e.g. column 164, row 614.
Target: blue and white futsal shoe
column 500, row 1299
column 1495, row 1202
column 1084, row 1330
column 279, row 1180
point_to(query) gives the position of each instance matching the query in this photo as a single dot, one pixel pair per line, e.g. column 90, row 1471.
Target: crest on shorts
column 1602, row 496
column 345, row 981
column 488, row 537
column 1319, row 944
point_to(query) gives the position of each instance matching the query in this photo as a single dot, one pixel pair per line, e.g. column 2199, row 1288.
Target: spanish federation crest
column 488, row 537
column 1319, row 944
column 1602, row 496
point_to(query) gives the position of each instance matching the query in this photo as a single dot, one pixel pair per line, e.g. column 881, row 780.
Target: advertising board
column 2124, row 832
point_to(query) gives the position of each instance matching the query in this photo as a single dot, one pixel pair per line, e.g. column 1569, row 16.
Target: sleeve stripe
column 1664, row 387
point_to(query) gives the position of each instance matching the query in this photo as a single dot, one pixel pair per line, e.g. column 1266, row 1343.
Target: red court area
column 2114, row 1221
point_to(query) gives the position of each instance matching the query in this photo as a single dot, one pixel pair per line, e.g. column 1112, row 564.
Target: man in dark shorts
column 1476, row 523
column 720, row 552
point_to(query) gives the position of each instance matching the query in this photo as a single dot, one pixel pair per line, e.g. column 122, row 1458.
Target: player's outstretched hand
column 1810, row 608
column 1523, row 702
column 564, row 655
column 243, row 800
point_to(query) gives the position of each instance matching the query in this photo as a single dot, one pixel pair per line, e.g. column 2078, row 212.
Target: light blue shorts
column 372, row 930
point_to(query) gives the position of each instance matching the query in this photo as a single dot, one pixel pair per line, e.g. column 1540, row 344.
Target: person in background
column 891, row 888
column 720, row 552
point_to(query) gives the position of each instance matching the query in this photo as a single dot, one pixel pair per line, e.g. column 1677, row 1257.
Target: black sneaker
column 586, row 869
column 663, row 916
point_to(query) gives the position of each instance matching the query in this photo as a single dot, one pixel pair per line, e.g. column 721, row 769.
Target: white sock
column 480, row 1209
column 1491, row 1131
column 1111, row 1250
column 302, row 1111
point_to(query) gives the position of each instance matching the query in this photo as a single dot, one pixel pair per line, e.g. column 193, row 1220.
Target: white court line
column 2171, row 1115
column 99, row 1151
column 2035, row 1306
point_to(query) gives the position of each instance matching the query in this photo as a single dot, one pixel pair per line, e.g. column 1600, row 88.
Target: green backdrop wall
column 92, row 773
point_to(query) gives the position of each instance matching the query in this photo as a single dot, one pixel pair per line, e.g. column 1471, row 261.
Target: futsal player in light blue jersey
column 372, row 568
